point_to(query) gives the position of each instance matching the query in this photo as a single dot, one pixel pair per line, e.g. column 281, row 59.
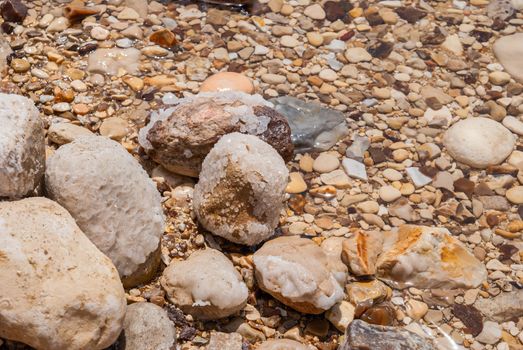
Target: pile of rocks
column 310, row 175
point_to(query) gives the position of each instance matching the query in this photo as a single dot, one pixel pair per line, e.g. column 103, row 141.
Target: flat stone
column 314, row 11
column 114, row 128
column 360, row 334
column 513, row 124
column 62, row 133
column 296, row 183
column 111, row 61
column 357, row 54
column 515, row 195
column 289, row 41
column 325, row 163
column 337, row 178
column 508, row 50
column 313, row 127
column 389, row 194
column 503, row 307
column 341, row 315
column 491, row 333
column 221, row 341
column 355, row 169
column 479, row 142
column 282, row 344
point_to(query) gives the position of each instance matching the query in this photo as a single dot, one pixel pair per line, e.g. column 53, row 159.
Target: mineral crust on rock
column 57, row 290
column 206, row 285
column 22, row 147
column 428, row 257
column 241, row 189
column 179, row 137
column 112, row 199
column 298, row 273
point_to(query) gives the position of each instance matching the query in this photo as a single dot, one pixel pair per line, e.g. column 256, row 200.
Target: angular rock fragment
column 313, row 127
column 360, row 252
column 428, row 257
column 22, row 147
column 363, row 295
column 91, row 178
column 241, row 189
column 58, row 291
column 299, row 274
column 180, row 137
column 147, row 327
column 503, row 307
column 360, row 335
column 508, row 50
column 206, row 285
column 13, row 11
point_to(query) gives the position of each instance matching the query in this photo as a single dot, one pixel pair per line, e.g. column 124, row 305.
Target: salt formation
column 479, row 142
column 428, row 257
column 113, row 201
column 57, row 290
column 206, row 285
column 241, row 189
column 298, row 273
column 180, row 137
column 22, row 147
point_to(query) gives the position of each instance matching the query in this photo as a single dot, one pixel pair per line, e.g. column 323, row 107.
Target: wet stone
column 313, row 127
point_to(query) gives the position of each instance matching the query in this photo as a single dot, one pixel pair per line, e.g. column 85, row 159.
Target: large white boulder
column 299, row 273
column 57, row 290
column 22, row 147
column 241, row 189
column 113, row 200
column 206, row 285
column 479, row 142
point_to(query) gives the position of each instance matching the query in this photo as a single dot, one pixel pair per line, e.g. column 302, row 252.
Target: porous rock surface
column 113, row 201
column 22, row 147
column 241, row 189
column 147, row 327
column 206, row 285
column 428, row 257
column 479, row 142
column 181, row 136
column 297, row 272
column 57, row 290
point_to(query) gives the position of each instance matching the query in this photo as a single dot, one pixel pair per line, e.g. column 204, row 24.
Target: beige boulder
column 57, row 290
column 206, row 285
column 241, row 189
column 22, row 147
column 113, row 200
column 297, row 272
column 428, row 257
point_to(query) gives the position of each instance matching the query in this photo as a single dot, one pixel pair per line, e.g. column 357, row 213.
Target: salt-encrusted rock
column 282, row 344
column 181, row 136
column 147, row 327
column 360, row 334
column 113, row 200
column 428, row 257
column 206, row 285
column 503, row 307
column 241, row 189
column 479, row 142
column 22, row 147
column 298, row 273
column 57, row 290
column 360, row 252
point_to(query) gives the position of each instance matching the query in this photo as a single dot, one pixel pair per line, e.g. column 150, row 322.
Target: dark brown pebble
column 410, row 14
column 13, row 11
column 470, row 316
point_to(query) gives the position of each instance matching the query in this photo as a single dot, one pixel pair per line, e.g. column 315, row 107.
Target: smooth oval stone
column 227, row 81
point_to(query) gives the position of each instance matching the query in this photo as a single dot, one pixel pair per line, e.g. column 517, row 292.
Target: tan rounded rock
column 515, row 195
column 298, row 273
column 57, row 290
column 227, row 81
column 206, row 285
column 241, row 189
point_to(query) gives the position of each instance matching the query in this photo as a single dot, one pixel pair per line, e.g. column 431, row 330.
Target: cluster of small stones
column 432, row 92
